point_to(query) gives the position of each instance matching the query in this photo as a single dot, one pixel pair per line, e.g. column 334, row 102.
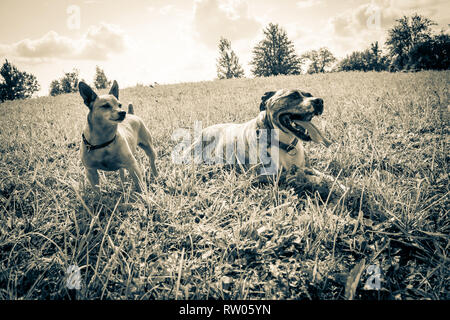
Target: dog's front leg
column 317, row 175
column 136, row 174
column 153, row 166
column 304, row 176
column 151, row 154
column 122, row 176
column 92, row 175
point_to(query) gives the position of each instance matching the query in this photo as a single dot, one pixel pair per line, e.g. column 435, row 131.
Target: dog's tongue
column 314, row 132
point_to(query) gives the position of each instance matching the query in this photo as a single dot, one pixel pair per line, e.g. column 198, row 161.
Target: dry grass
column 209, row 233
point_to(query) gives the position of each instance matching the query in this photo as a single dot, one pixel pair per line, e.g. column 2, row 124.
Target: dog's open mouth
column 302, row 128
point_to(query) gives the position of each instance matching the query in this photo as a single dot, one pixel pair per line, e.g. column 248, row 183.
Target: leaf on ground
column 274, row 270
column 353, row 279
column 226, row 282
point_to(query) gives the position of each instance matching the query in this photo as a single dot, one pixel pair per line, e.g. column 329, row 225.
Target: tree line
column 69, row 82
column 411, row 45
column 17, row 84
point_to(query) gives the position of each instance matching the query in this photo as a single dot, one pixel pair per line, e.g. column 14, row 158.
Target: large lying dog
column 273, row 138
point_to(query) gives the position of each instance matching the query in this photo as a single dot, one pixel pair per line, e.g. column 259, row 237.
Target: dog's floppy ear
column 86, row 93
column 114, row 90
column 264, row 98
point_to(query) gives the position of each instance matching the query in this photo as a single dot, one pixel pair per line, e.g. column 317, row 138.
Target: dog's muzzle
column 122, row 115
column 317, row 103
column 299, row 124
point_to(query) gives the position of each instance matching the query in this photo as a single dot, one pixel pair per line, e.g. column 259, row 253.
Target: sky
column 172, row 41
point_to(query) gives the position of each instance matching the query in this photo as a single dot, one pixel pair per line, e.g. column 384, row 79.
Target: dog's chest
column 102, row 159
column 295, row 157
column 249, row 138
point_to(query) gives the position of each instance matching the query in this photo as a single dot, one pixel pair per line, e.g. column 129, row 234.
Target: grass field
column 208, row 233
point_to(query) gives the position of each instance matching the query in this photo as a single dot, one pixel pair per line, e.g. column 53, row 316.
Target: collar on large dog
column 91, row 147
column 289, row 148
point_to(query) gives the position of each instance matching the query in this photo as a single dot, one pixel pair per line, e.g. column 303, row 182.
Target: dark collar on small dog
column 91, row 147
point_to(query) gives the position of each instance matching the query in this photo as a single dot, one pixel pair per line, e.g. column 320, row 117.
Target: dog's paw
column 300, row 176
column 312, row 179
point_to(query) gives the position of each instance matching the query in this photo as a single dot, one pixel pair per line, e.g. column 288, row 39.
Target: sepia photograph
column 222, row 157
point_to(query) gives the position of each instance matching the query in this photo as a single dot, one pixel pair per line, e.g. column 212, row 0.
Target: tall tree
column 407, row 33
column 228, row 63
column 16, row 84
column 100, row 79
column 319, row 60
column 275, row 54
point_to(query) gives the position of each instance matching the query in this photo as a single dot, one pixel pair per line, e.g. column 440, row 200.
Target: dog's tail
column 130, row 109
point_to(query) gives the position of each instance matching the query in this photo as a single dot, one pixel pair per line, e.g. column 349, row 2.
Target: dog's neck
column 288, row 147
column 98, row 134
column 267, row 124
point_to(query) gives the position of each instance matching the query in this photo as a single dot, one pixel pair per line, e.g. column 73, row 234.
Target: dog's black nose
column 122, row 115
column 318, row 105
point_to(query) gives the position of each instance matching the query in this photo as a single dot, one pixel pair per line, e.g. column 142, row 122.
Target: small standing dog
column 110, row 137
column 289, row 111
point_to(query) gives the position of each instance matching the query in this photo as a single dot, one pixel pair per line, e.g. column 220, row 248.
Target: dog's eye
column 106, row 106
column 120, row 105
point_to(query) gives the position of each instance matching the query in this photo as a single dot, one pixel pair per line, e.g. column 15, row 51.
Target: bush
column 370, row 59
column 55, row 88
column 431, row 54
column 16, row 84
column 319, row 60
column 67, row 84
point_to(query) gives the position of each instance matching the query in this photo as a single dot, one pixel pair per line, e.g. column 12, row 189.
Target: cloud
column 166, row 9
column 102, row 40
column 308, row 3
column 356, row 28
column 437, row 10
column 366, row 17
column 230, row 19
column 50, row 45
column 96, row 44
column 380, row 15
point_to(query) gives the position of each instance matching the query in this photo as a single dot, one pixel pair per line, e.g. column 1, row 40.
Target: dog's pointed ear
column 86, row 93
column 264, row 98
column 114, row 90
